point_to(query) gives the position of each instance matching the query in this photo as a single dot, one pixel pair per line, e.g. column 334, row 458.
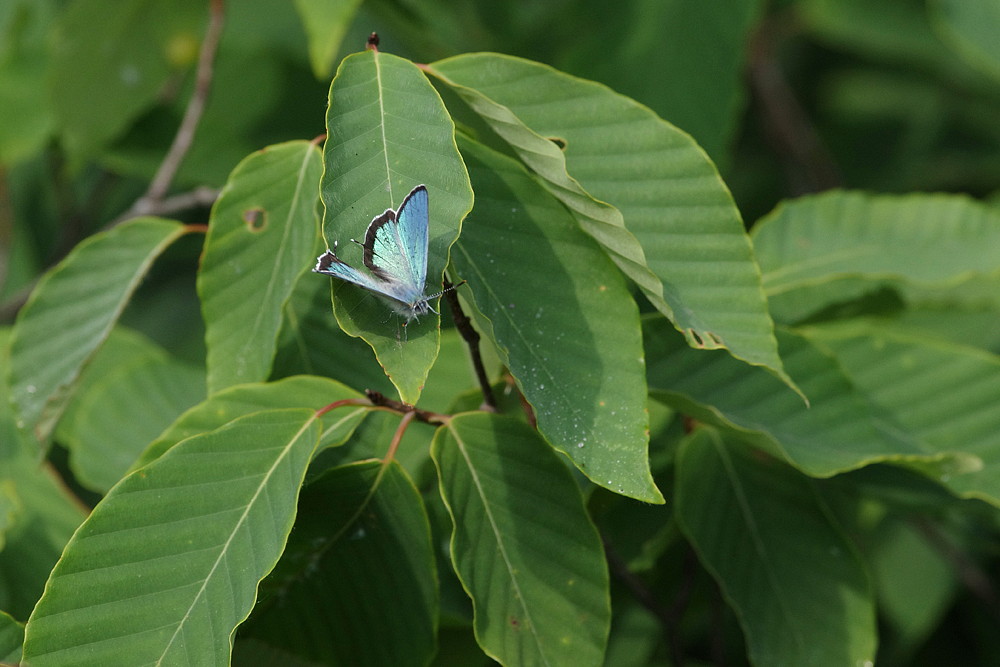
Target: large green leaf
column 943, row 393
column 827, row 248
column 794, row 580
column 387, row 132
column 839, row 431
column 261, row 239
column 126, row 50
column 300, row 391
column 168, row 564
column 361, row 547
column 672, row 199
column 71, row 312
column 563, row 320
column 523, row 545
column 129, row 376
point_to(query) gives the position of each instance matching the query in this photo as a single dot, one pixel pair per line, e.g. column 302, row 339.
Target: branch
column 382, row 401
column 471, row 337
column 200, row 196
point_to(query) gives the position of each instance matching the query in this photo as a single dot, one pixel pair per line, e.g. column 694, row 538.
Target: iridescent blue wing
column 330, row 265
column 396, row 244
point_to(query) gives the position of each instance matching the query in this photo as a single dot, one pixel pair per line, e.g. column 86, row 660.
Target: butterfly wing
column 330, row 265
column 396, row 244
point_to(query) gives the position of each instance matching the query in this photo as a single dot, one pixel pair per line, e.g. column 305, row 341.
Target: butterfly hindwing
column 331, row 265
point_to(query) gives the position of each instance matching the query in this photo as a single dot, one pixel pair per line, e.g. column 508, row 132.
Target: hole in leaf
column 705, row 340
column 255, row 219
column 559, row 141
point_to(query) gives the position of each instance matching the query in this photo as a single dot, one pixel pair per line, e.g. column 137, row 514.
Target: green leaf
column 47, row 514
column 28, row 119
column 71, row 312
column 126, row 50
column 915, row 583
column 261, row 238
column 167, row 565
column 11, row 638
column 523, row 545
column 971, row 26
column 325, row 23
column 361, row 545
column 387, row 132
column 838, row 245
column 794, row 580
column 44, row 518
column 129, row 376
column 670, row 195
column 941, row 392
column 294, row 392
column 695, row 51
column 895, row 32
column 574, row 346
column 312, row 343
column 841, row 430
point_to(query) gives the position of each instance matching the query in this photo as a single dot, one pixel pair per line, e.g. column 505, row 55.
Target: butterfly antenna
column 446, row 289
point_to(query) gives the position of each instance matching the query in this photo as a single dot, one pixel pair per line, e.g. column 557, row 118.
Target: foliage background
column 787, row 98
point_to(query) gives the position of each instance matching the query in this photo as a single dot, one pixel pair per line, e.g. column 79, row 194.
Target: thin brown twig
column 797, row 143
column 382, row 401
column 151, row 203
column 472, row 338
column 196, row 106
column 397, row 437
column 669, row 618
column 972, row 576
column 200, row 196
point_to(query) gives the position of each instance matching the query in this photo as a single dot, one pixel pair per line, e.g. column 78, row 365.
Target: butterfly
column 395, row 252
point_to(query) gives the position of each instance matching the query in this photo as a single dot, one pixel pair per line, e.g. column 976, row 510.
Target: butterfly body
column 395, row 253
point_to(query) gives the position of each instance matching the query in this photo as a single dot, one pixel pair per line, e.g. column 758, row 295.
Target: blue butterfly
column 395, row 251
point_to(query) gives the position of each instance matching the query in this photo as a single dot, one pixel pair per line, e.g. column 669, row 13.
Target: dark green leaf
column 361, row 547
column 523, row 544
column 760, row 528
column 689, row 232
column 943, row 393
column 839, row 431
column 563, row 320
column 387, row 132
